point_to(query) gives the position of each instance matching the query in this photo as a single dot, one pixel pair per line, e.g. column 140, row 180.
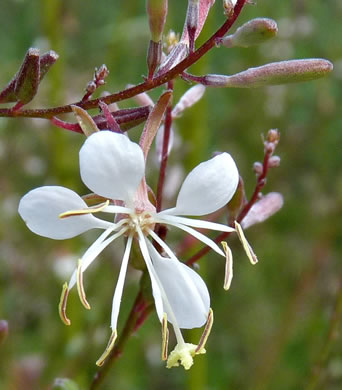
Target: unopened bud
column 191, row 96
column 46, row 61
column 273, row 136
column 228, row 7
column 258, row 168
column 157, row 12
column 91, row 87
column 274, row 162
column 8, row 94
column 252, row 33
column 192, row 21
column 272, row 74
column 27, row 81
column 101, row 73
column 3, row 330
column 263, row 209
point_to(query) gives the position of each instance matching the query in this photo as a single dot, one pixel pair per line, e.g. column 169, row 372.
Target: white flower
column 113, row 167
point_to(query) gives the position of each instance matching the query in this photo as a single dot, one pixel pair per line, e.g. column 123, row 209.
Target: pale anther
column 88, row 210
column 248, row 249
column 63, row 303
column 80, row 288
column 108, row 349
column 228, row 275
column 203, row 340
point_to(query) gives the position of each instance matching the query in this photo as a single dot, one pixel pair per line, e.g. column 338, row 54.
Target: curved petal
column 111, row 165
column 41, row 207
column 120, row 284
column 156, row 291
column 208, row 187
column 185, row 291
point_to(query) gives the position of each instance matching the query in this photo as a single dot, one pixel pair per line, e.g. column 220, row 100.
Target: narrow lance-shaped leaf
column 271, row 74
column 153, row 122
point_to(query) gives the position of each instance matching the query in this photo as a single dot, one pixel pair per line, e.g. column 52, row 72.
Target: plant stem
column 140, row 88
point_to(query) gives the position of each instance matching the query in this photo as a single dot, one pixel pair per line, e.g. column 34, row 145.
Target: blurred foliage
column 271, row 326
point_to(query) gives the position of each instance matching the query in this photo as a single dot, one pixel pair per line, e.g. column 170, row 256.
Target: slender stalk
column 140, row 88
column 165, row 154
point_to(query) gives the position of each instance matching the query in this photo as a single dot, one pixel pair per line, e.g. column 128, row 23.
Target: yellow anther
column 108, row 349
column 80, row 287
column 203, row 340
column 228, row 275
column 88, row 210
column 248, row 249
column 165, row 338
column 63, row 303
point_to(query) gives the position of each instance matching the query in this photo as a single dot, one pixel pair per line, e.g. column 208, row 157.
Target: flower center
column 142, row 219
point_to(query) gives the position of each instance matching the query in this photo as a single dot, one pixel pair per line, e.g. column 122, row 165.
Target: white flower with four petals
column 113, row 167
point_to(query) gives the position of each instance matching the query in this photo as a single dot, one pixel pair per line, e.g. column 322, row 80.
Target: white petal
column 157, row 295
column 120, row 284
column 111, row 165
column 41, row 207
column 94, row 250
column 201, row 237
column 193, row 222
column 185, row 290
column 208, row 187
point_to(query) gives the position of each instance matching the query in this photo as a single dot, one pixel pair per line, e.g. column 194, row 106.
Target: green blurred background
column 271, row 327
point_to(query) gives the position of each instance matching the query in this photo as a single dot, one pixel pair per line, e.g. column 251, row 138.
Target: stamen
column 165, row 338
column 80, row 287
column 63, row 303
column 206, row 333
column 108, row 349
column 88, row 210
column 228, row 275
column 248, row 249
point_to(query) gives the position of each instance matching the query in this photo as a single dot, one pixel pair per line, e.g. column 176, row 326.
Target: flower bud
column 274, row 162
column 27, row 80
column 272, row 74
column 8, row 94
column 258, row 168
column 192, row 21
column 263, row 209
column 157, row 12
column 228, row 7
column 191, row 96
column 46, row 61
column 252, row 33
column 273, row 136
